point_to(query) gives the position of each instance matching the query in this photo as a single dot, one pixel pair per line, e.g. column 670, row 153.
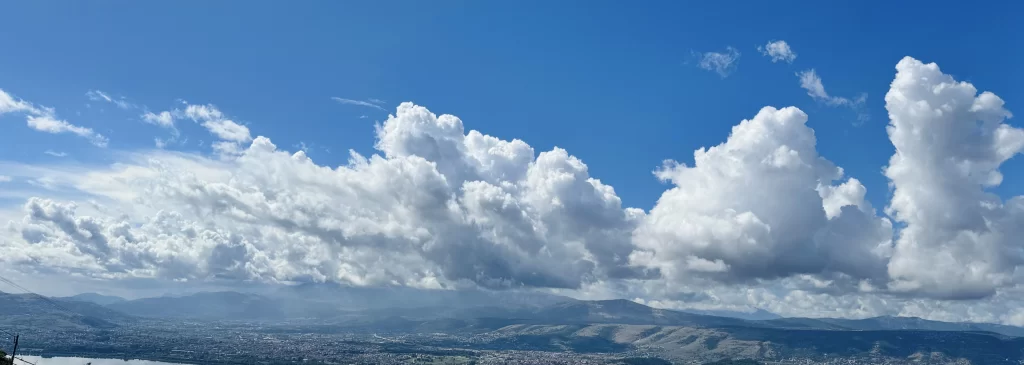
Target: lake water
column 82, row 361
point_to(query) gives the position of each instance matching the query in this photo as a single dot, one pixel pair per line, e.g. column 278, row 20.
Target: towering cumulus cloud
column 440, row 207
column 960, row 241
column 762, row 205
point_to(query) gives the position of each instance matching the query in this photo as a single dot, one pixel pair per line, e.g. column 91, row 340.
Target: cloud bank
column 759, row 220
column 440, row 207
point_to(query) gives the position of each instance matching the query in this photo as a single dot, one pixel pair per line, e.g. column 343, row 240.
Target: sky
column 842, row 160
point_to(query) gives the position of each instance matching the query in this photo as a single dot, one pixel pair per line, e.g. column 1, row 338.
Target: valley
column 240, row 328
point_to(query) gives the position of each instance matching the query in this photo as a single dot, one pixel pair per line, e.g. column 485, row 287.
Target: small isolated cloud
column 49, row 124
column 723, row 63
column 5, row 178
column 55, row 154
column 778, row 51
column 810, row 81
column 163, row 119
column 96, row 95
column 370, row 103
column 45, row 119
column 217, row 123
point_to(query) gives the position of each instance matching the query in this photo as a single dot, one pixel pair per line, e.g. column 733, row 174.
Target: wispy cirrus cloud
column 45, row 119
column 11, row 104
column 207, row 115
column 97, row 95
column 810, row 81
column 723, row 63
column 50, row 124
column 369, row 103
column 55, row 153
column 164, row 119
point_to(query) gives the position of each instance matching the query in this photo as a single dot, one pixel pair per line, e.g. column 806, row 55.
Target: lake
column 83, row 360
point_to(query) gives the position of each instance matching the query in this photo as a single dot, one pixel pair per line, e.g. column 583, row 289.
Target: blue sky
column 619, row 86
column 611, row 82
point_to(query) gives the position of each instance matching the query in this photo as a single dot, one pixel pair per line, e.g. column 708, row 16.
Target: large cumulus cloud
column 440, row 207
column 763, row 205
column 960, row 241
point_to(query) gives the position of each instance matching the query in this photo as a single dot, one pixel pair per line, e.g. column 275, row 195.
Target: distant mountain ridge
column 686, row 344
column 445, row 309
column 360, row 298
column 895, row 323
column 206, row 306
column 35, row 310
column 757, row 315
column 95, row 298
column 623, row 311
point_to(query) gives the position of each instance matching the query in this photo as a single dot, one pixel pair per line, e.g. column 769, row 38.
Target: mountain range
column 95, row 298
column 34, row 310
column 510, row 320
column 351, row 305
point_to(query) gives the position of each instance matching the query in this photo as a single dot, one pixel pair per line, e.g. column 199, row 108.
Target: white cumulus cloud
column 762, row 205
column 779, row 51
column 440, row 207
column 760, row 220
column 950, row 142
